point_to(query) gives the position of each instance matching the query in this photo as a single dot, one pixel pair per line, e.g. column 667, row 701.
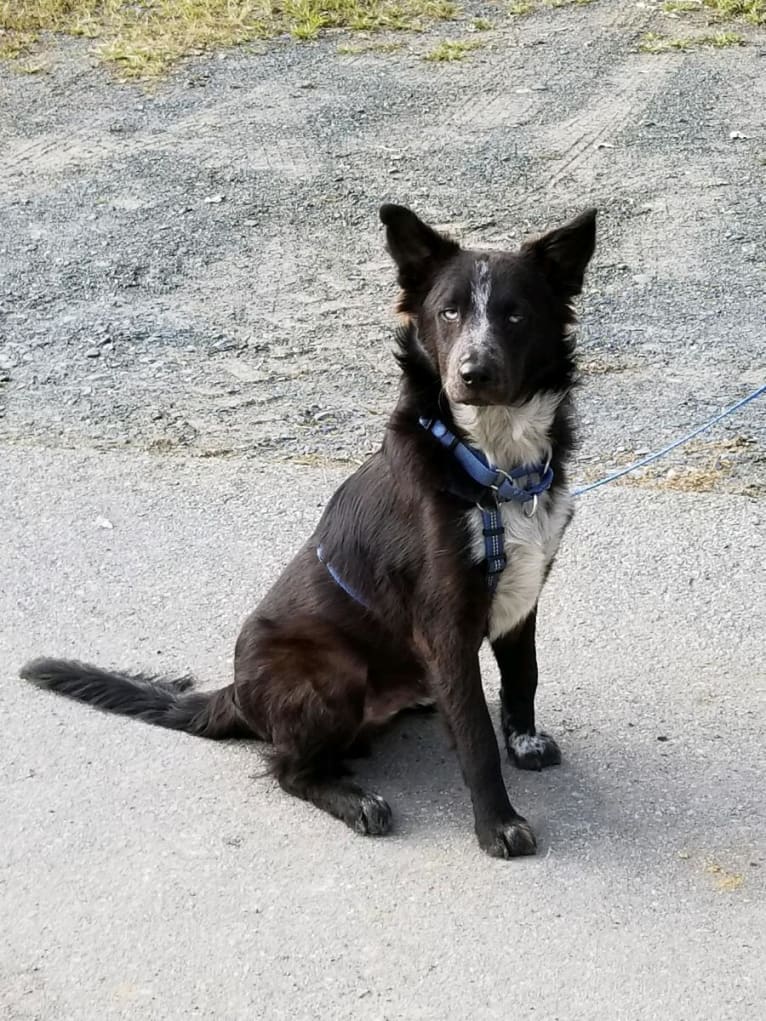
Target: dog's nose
column 473, row 373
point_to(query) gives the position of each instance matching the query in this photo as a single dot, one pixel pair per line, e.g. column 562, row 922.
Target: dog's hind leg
column 308, row 762
column 324, row 787
column 313, row 686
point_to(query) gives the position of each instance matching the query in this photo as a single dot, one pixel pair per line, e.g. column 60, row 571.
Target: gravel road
column 195, row 341
column 199, row 268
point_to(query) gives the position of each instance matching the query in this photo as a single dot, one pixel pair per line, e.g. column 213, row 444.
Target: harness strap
column 339, row 580
column 494, row 544
column 475, row 465
column 498, row 487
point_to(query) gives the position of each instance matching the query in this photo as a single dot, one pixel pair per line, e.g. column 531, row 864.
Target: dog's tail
column 158, row 700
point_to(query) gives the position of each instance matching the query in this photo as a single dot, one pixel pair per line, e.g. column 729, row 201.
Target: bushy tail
column 162, row 701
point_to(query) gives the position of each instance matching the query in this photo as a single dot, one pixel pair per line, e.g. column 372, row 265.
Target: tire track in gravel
column 599, row 120
column 501, row 97
column 56, row 153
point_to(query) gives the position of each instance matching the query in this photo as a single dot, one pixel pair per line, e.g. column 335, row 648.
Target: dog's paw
column 508, row 839
column 532, row 751
column 374, row 817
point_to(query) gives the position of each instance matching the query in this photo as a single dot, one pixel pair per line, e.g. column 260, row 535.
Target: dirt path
column 199, row 267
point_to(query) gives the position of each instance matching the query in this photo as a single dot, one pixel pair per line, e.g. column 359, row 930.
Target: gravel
column 197, row 266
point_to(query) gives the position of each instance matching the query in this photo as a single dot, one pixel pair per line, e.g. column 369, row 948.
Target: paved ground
column 149, row 874
column 144, row 329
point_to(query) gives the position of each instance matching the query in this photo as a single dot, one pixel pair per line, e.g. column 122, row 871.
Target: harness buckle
column 490, row 497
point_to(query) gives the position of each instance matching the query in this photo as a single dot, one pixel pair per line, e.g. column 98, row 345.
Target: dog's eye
column 515, row 318
column 450, row 314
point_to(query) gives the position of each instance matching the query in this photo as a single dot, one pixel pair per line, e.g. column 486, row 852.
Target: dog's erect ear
column 417, row 249
column 564, row 253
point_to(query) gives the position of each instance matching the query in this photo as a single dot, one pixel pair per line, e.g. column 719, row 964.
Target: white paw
column 532, row 751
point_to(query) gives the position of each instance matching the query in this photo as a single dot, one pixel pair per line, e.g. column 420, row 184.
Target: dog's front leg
column 502, row 832
column 516, row 655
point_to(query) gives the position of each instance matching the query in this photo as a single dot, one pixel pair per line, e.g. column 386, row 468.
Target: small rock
column 224, row 344
column 214, row 199
column 103, row 523
column 93, row 352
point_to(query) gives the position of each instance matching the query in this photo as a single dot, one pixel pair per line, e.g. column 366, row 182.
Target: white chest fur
column 509, row 437
column 530, row 545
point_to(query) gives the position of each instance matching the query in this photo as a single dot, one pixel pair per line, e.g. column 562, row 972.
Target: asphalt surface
column 195, row 317
column 148, row 874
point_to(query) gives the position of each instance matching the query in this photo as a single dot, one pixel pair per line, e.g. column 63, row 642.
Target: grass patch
column 449, row 51
column 355, row 48
column 144, row 38
column 712, row 12
column 602, row 366
column 713, row 463
column 681, row 6
column 725, row 881
column 653, row 43
column 519, row 8
column 482, row 25
column 753, row 11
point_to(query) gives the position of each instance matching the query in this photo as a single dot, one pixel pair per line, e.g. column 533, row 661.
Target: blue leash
column 671, row 446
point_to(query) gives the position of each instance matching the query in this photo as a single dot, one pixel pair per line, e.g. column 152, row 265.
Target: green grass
column 712, row 13
column 355, row 48
column 144, row 38
column 449, row 51
column 753, row 11
column 681, row 6
column 653, row 43
column 519, row 8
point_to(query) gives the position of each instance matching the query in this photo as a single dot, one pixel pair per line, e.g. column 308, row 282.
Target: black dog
column 443, row 538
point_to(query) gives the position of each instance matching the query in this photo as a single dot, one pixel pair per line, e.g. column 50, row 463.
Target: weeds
column 145, row 38
column 449, row 51
column 652, row 43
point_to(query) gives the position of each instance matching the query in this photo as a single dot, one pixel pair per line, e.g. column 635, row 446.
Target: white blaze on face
column 475, row 336
column 481, row 287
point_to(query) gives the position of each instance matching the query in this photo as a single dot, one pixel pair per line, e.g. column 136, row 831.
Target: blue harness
column 497, row 487
column 520, row 485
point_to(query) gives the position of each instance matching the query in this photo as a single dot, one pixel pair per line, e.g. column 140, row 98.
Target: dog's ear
column 564, row 253
column 417, row 249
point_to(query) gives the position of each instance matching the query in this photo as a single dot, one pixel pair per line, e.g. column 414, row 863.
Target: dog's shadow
column 605, row 790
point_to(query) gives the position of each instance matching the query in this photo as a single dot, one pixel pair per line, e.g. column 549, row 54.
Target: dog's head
column 494, row 324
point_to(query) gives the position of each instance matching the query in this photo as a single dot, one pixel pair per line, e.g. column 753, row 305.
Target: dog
column 443, row 538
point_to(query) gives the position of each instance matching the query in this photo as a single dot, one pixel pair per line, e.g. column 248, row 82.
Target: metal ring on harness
column 533, row 501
